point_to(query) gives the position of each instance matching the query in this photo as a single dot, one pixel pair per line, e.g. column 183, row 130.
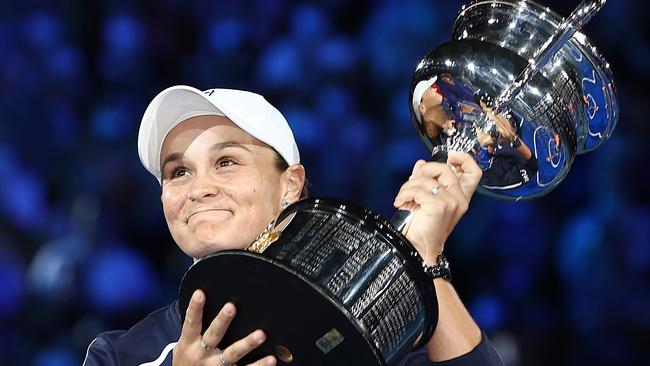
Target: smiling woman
column 228, row 164
column 220, row 187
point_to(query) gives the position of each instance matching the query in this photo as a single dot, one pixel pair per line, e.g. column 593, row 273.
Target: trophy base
column 303, row 326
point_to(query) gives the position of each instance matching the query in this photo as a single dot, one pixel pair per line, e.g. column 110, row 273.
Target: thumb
column 467, row 170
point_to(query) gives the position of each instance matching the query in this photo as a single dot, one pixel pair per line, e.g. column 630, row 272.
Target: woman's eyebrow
column 225, row 144
column 170, row 158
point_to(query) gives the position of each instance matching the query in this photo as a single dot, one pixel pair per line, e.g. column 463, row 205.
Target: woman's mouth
column 208, row 214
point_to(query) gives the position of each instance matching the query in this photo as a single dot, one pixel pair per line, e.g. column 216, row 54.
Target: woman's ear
column 422, row 108
column 294, row 180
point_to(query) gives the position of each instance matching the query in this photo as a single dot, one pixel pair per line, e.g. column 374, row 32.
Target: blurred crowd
column 562, row 280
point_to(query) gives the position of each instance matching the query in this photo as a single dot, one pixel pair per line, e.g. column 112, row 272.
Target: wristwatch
column 440, row 269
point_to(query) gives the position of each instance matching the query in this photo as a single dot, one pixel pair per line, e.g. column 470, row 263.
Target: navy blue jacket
column 151, row 341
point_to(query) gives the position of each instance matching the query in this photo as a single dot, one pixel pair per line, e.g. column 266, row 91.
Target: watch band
column 440, row 269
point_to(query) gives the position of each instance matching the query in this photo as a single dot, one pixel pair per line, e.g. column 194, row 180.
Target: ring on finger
column 206, row 347
column 223, row 362
column 435, row 190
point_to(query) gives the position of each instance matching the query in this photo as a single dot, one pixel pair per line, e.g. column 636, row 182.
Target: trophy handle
column 580, row 16
column 401, row 220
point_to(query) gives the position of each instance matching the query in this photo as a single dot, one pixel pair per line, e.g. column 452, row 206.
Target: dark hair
column 281, row 165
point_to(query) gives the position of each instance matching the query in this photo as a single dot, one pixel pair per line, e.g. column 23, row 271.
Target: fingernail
column 259, row 336
column 270, row 361
column 197, row 296
column 227, row 310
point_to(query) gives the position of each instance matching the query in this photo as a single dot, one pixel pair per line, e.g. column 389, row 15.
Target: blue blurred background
column 83, row 244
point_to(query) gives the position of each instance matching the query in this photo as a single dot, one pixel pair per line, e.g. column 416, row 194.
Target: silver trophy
column 519, row 88
column 335, row 284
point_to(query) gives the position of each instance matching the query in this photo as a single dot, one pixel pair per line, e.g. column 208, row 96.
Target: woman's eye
column 178, row 172
column 223, row 162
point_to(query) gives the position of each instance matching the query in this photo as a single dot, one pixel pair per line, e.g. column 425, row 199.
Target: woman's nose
column 202, row 188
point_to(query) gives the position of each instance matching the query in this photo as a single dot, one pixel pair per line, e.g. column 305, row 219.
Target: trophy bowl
column 524, row 131
column 330, row 282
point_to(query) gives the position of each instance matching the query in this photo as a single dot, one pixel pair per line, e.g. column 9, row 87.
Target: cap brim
column 418, row 92
column 169, row 108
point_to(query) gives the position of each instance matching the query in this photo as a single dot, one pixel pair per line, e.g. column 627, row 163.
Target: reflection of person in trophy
column 427, row 102
column 227, row 163
column 436, row 119
column 512, row 161
column 441, row 104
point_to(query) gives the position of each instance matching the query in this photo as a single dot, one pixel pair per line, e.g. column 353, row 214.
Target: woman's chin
column 202, row 250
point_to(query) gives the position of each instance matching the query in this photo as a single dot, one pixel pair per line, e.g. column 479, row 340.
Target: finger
column 469, row 171
column 193, row 317
column 442, row 202
column 215, row 332
column 434, row 175
column 421, row 188
column 418, row 191
column 407, row 206
column 448, row 178
column 470, row 175
column 419, row 182
column 431, row 169
column 465, row 161
column 445, row 176
column 266, row 361
column 443, row 210
column 416, row 166
column 242, row 347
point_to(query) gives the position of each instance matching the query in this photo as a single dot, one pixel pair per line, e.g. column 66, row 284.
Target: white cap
column 249, row 111
column 418, row 92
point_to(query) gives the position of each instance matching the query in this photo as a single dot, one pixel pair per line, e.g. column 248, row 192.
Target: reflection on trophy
column 335, row 284
column 519, row 88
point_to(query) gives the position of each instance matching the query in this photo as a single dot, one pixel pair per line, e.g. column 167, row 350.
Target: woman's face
column 430, row 99
column 220, row 187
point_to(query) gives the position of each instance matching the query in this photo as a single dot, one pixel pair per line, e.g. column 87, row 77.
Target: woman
column 228, row 163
